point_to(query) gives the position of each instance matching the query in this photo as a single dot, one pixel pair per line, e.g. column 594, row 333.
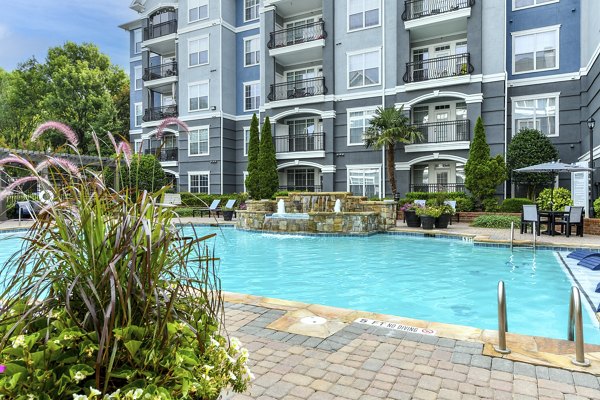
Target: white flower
column 30, row 397
column 245, row 352
column 205, row 377
column 208, row 367
column 248, row 372
column 79, row 397
column 79, row 376
column 19, row 342
column 95, row 392
column 232, row 376
column 214, row 342
column 138, row 393
column 235, row 343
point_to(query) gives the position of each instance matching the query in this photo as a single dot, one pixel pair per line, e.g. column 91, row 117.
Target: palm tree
column 388, row 127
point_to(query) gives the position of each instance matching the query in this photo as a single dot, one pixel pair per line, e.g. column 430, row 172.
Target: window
column 536, row 112
column 198, row 9
column 530, row 3
column 251, row 51
column 138, row 114
column 138, row 77
column 251, row 10
column 364, row 181
column 358, row 122
column 137, row 146
column 198, row 182
column 251, row 96
column 362, row 14
column 363, row 69
column 198, row 51
column 301, row 179
column 246, row 140
column 137, row 41
column 198, row 95
column 198, row 145
column 537, row 51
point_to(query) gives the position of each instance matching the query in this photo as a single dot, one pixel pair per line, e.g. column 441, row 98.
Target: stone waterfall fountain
column 337, row 208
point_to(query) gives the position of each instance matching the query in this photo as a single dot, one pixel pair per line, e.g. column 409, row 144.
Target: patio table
column 551, row 218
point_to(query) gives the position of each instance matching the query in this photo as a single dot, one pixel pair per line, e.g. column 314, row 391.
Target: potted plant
column 227, row 213
column 443, row 220
column 428, row 215
column 410, row 215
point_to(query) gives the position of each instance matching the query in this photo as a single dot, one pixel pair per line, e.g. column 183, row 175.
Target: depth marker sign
column 393, row 325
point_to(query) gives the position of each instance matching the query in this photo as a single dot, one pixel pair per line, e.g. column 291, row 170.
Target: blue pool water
column 432, row 279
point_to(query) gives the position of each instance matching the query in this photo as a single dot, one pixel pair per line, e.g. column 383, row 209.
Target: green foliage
column 281, row 193
column 597, row 207
column 496, row 221
column 267, row 163
column 514, row 205
column 560, row 198
column 530, row 147
column 490, row 205
column 429, row 211
column 412, row 196
column 465, row 204
column 77, row 85
column 253, row 179
column 145, row 174
column 107, row 295
column 387, row 128
column 483, row 173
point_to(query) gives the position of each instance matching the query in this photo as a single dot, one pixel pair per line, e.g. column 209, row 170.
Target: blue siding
column 239, row 14
column 135, row 96
column 565, row 13
column 244, row 74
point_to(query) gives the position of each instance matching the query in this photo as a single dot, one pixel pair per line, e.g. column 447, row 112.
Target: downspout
column 221, row 85
column 506, row 105
column 383, row 58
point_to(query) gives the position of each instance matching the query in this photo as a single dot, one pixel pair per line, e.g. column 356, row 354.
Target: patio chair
column 573, row 218
column 229, row 205
column 25, row 208
column 214, row 207
column 530, row 216
column 452, row 203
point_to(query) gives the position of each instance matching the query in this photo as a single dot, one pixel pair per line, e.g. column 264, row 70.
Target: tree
column 267, row 163
column 530, row 147
column 252, row 180
column 388, row 127
column 482, row 172
column 145, row 173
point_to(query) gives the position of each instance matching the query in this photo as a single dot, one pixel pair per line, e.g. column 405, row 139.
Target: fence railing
column 297, row 34
column 414, row 9
column 298, row 89
column 438, row 187
column 162, row 29
column 436, row 68
column 301, row 188
column 306, row 142
column 446, row 131
column 158, row 113
column 160, row 71
column 164, row 154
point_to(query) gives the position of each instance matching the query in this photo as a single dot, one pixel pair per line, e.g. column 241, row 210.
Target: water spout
column 338, row 206
column 281, row 207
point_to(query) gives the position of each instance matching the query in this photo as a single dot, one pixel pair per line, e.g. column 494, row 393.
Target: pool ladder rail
column 512, row 235
column 575, row 331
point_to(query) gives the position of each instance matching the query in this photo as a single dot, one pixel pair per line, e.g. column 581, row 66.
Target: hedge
column 515, row 205
column 204, row 200
column 496, row 221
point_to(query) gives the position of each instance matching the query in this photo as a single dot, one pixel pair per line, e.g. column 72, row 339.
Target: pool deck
column 361, row 355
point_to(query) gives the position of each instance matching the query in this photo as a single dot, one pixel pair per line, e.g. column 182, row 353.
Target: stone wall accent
column 261, row 205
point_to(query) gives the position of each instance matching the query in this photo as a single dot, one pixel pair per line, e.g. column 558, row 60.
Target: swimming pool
column 440, row 280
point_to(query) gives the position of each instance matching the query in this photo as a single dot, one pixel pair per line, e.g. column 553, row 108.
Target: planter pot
column 427, row 221
column 412, row 219
column 442, row 221
column 227, row 215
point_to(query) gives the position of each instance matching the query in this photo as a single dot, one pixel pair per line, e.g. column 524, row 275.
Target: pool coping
column 536, row 350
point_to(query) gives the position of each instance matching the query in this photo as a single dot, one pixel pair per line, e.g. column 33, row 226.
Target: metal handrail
column 158, row 113
column 444, row 131
column 512, row 234
column 300, row 142
column 575, row 330
column 297, row 34
column 160, row 29
column 160, row 71
column 439, row 67
column 299, row 88
column 502, row 320
column 414, row 9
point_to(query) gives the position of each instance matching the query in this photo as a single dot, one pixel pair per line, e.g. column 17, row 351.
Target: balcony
column 164, row 155
column 415, row 9
column 444, row 132
column 160, row 30
column 438, row 187
column 159, row 113
column 305, row 142
column 437, row 68
column 160, row 38
column 298, row 43
column 298, row 89
column 162, row 71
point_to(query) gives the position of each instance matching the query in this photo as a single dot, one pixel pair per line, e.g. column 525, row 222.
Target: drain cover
column 313, row 320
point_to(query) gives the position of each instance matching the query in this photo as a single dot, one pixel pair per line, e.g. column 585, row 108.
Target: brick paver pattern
column 363, row 362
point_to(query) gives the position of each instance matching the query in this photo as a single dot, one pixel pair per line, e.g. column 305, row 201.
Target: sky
column 29, row 28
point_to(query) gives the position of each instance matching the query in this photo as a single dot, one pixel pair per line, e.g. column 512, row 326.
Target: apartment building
column 320, row 68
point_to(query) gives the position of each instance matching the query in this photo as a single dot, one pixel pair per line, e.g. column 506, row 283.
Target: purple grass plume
column 65, row 164
column 10, row 188
column 170, row 121
column 12, row 159
column 62, row 128
column 125, row 148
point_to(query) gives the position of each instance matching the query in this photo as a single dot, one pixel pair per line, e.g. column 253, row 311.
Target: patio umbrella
column 555, row 168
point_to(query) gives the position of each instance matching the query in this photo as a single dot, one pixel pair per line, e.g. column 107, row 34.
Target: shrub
column 145, row 173
column 281, row 193
column 411, row 196
column 106, row 295
column 184, row 212
column 496, row 221
column 464, row 204
column 514, row 205
column 561, row 197
column 597, row 207
column 490, row 205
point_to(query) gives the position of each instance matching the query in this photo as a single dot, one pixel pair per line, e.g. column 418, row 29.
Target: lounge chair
column 530, row 216
column 420, row 203
column 592, row 262
column 580, row 254
column 25, row 208
column 214, row 207
column 573, row 218
column 598, row 288
column 229, row 205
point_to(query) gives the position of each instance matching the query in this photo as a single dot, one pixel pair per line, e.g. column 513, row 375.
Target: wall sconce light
column 213, row 161
column 213, row 108
column 213, row 70
column 339, row 154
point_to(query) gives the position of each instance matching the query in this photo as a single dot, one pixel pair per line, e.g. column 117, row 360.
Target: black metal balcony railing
column 438, row 187
column 297, row 34
column 297, row 89
column 158, row 113
column 306, row 142
column 160, row 71
column 436, row 68
column 446, row 131
column 164, row 154
column 301, row 188
column 162, row 29
column 414, row 9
